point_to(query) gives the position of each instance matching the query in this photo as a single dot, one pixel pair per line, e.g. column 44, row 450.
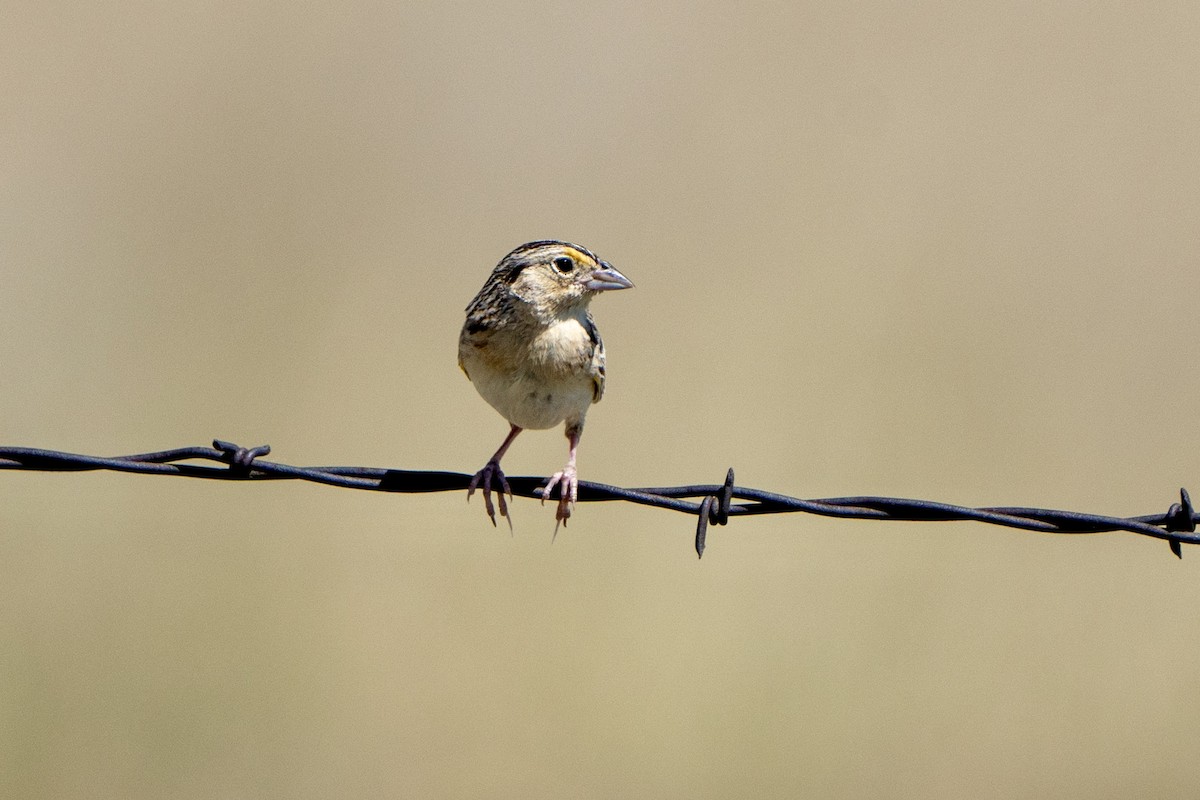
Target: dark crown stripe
column 520, row 253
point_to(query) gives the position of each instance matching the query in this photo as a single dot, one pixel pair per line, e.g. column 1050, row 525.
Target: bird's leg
column 566, row 479
column 491, row 471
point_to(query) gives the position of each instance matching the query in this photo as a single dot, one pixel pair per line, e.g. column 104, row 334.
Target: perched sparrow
column 533, row 352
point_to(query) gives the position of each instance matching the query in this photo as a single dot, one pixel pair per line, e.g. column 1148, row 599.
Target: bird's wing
column 491, row 310
column 596, row 368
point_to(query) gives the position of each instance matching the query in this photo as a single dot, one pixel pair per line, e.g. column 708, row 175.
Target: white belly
column 533, row 402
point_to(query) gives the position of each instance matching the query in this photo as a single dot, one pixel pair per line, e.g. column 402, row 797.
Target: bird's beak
column 604, row 278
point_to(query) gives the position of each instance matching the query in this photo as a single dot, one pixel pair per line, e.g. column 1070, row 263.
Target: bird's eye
column 564, row 264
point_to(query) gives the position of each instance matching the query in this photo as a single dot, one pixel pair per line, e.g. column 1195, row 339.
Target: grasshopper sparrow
column 533, row 352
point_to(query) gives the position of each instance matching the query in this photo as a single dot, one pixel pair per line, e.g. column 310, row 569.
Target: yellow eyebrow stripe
column 582, row 258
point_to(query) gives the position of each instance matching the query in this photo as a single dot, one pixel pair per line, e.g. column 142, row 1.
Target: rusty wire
column 714, row 506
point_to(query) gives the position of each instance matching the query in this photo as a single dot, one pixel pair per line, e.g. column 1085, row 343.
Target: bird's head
column 557, row 277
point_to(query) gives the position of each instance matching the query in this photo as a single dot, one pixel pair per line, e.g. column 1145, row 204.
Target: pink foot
column 484, row 479
column 568, row 492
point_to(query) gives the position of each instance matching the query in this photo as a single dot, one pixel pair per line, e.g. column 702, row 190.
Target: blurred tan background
column 947, row 252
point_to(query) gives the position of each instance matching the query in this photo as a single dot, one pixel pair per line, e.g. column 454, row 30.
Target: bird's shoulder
column 490, row 330
column 495, row 307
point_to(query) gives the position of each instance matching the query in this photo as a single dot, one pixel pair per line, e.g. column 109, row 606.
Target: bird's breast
column 535, row 379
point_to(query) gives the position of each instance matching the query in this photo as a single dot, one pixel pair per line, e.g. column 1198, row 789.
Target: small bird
column 532, row 350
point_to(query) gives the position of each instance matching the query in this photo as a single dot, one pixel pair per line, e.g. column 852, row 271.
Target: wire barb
column 715, row 506
column 714, row 509
column 240, row 458
column 1180, row 519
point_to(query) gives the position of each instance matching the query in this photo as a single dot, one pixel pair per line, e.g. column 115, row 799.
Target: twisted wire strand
column 715, row 504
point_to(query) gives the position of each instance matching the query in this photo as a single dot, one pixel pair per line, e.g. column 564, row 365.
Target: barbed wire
column 715, row 504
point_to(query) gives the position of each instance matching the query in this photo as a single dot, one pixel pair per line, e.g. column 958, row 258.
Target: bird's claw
column 484, row 479
column 568, row 492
